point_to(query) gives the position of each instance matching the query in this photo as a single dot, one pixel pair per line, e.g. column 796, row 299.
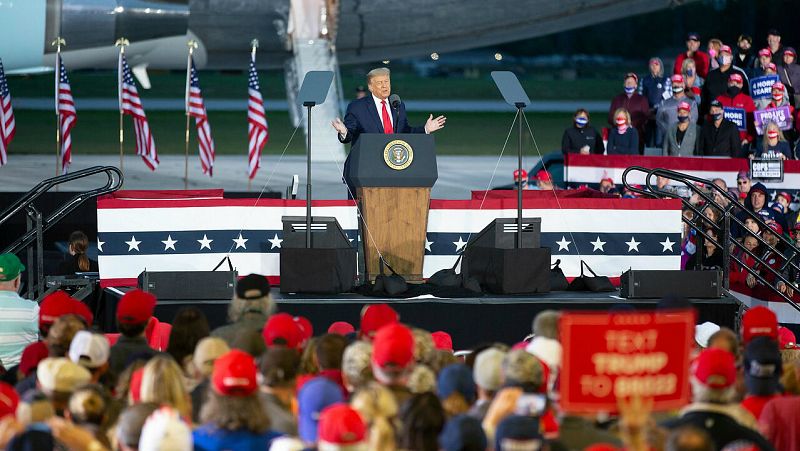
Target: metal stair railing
column 39, row 224
column 724, row 241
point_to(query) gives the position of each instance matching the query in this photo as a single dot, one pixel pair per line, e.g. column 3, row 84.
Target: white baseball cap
column 89, row 350
column 702, row 332
column 165, row 431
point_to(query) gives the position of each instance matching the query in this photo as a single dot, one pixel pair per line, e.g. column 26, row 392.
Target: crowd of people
column 268, row 381
column 696, row 110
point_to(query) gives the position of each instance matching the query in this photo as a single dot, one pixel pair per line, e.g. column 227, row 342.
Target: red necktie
column 387, row 120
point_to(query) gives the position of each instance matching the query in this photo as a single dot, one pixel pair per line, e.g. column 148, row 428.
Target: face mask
column 726, row 60
column 580, row 121
column 620, row 121
column 629, row 90
column 777, row 97
column 772, row 134
column 716, row 116
column 677, row 89
column 683, row 118
column 712, row 53
column 733, row 90
column 689, row 72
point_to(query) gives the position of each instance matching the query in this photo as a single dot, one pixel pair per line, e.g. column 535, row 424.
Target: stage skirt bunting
column 590, row 169
column 164, row 231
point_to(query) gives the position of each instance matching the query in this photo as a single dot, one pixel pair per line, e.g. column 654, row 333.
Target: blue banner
column 761, row 87
column 735, row 115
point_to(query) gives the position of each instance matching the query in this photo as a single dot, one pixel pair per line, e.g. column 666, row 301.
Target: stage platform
column 469, row 321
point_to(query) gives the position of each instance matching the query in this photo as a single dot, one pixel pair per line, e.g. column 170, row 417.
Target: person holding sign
column 717, row 81
column 734, row 97
column 719, row 136
column 775, row 146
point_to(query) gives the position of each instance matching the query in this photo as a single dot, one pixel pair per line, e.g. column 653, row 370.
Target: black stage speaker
column 500, row 267
column 660, row 283
column 327, row 267
column 177, row 285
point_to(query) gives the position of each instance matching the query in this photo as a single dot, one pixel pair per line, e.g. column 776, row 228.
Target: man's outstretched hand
column 434, row 124
column 339, row 126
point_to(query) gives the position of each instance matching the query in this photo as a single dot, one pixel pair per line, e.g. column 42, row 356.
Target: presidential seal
column 398, row 155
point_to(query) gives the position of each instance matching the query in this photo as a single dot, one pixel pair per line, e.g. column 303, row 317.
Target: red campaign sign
column 611, row 356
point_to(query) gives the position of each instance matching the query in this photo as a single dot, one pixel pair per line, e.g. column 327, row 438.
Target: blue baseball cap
column 456, row 378
column 762, row 366
column 463, row 433
column 313, row 398
column 518, row 432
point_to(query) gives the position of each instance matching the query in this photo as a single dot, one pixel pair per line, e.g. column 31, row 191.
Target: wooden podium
column 393, row 176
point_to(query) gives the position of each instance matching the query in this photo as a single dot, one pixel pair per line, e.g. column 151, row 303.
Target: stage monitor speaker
column 502, row 232
column 660, row 283
column 509, row 271
column 179, row 285
column 327, row 267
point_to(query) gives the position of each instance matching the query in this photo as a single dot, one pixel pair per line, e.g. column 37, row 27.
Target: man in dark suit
column 374, row 114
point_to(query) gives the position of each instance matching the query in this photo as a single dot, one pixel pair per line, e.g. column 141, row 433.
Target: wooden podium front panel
column 395, row 221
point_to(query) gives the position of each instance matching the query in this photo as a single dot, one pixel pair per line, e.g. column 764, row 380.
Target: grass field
column 96, row 133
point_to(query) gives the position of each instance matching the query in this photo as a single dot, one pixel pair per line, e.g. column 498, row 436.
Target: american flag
column 131, row 104
column 257, row 128
column 7, row 124
column 67, row 116
column 196, row 108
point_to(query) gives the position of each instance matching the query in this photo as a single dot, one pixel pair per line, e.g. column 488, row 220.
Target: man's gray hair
column 703, row 393
column 545, row 324
column 238, row 307
column 379, row 71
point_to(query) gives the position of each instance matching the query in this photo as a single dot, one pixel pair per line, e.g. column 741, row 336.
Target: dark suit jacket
column 363, row 117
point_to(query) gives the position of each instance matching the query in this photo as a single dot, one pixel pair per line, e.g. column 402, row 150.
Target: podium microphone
column 394, row 101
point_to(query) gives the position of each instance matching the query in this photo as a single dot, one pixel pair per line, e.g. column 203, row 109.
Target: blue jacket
column 209, row 437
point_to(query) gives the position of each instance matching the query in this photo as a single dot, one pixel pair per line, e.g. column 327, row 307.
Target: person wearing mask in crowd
column 760, row 66
column 521, row 176
column 774, row 146
column 716, row 83
column 77, row 260
column 692, row 82
column 734, row 97
column 719, row 137
column 774, row 44
column 544, row 181
column 711, row 254
column 682, row 136
column 655, row 87
column 713, row 48
column 667, row 115
column 790, row 75
column 623, row 139
column 637, row 107
column 693, row 52
column 581, row 137
column 743, row 57
column 743, row 182
column 778, row 99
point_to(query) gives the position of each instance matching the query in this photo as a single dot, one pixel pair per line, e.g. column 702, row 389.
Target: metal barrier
column 728, row 205
column 38, row 224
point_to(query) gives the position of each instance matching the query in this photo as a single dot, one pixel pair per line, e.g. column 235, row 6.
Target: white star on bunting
column 459, row 244
column 133, row 244
column 428, row 244
column 598, row 245
column 205, row 243
column 275, row 242
column 100, row 244
column 633, row 245
column 667, row 245
column 169, row 243
column 563, row 245
column 240, row 242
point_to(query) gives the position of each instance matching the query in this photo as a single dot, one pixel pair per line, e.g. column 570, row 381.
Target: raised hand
column 431, row 125
column 339, row 126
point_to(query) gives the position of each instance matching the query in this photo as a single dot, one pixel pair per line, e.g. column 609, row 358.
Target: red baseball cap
column 787, row 339
column 725, row 49
column 786, row 196
column 735, row 78
column 779, row 86
column 684, row 106
column 31, row 356
column 393, row 345
column 544, row 176
column 281, row 329
column 53, row 306
column 235, row 374
column 765, row 52
column 9, row 400
column 135, row 307
column 341, row 328
column 517, row 173
column 375, row 316
column 775, row 227
column 759, row 321
column 341, row 425
column 677, row 78
column 306, row 328
column 631, row 75
column 442, row 340
column 715, row 368
column 607, row 179
column 772, row 66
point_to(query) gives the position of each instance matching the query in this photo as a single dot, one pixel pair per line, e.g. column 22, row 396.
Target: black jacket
column 722, row 429
column 716, row 84
column 574, row 138
column 720, row 142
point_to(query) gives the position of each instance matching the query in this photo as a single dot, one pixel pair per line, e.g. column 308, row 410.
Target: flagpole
column 121, row 43
column 253, row 47
column 58, row 43
column 192, row 45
